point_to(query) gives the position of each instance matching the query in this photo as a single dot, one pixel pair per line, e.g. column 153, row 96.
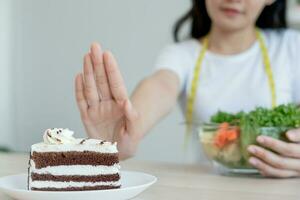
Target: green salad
column 229, row 134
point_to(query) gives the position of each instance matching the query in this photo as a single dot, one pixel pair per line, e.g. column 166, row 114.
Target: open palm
column 102, row 99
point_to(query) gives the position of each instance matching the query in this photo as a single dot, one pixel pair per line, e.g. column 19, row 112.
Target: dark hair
column 273, row 16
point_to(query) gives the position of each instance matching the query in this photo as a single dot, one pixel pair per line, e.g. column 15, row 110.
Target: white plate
column 133, row 183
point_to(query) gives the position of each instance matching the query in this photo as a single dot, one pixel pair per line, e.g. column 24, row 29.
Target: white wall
column 6, row 83
column 52, row 37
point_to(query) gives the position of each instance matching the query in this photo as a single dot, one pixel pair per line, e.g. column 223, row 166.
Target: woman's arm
column 105, row 108
column 155, row 97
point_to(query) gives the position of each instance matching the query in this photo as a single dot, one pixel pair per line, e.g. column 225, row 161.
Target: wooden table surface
column 186, row 182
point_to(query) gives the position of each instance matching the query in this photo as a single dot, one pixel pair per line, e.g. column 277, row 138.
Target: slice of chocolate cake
column 63, row 163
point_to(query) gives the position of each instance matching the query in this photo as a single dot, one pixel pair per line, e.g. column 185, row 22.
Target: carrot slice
column 225, row 135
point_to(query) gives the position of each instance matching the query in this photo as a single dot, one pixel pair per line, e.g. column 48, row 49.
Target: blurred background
column 42, row 44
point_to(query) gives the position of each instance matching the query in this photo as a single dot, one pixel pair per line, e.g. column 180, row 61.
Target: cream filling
column 55, row 184
column 83, row 170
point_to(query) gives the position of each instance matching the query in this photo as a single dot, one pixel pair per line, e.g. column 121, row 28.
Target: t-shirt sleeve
column 174, row 58
column 294, row 44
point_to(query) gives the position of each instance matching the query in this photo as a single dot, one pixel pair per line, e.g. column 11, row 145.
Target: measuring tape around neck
column 197, row 72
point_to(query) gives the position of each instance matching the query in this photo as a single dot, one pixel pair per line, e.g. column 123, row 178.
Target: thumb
column 130, row 112
column 293, row 135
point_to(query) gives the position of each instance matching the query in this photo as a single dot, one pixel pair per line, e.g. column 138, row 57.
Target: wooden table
column 186, row 182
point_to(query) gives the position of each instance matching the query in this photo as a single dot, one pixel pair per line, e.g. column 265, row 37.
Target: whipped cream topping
column 59, row 136
column 59, row 139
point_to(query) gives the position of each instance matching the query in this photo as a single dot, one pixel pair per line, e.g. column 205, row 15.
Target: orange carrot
column 225, row 134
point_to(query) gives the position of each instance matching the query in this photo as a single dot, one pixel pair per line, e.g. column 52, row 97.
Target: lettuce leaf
column 249, row 132
column 281, row 116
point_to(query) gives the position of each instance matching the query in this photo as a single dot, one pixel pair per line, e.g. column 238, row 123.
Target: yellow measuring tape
column 196, row 75
column 267, row 65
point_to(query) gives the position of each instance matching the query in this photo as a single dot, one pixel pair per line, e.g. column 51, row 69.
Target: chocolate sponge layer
column 44, row 159
column 76, row 178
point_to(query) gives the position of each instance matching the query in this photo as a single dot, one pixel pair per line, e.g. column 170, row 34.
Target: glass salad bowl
column 226, row 146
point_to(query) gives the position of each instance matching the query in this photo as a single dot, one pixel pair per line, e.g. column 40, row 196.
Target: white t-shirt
column 236, row 82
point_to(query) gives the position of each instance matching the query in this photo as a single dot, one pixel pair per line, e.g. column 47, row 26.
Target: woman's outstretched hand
column 284, row 159
column 102, row 99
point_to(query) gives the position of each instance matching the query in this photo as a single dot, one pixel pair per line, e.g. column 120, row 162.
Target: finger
column 293, row 135
column 90, row 90
column 281, row 147
column 79, row 93
column 273, row 159
column 269, row 171
column 99, row 70
column 115, row 79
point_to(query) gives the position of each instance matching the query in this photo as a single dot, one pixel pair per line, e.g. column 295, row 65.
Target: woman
column 231, row 55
